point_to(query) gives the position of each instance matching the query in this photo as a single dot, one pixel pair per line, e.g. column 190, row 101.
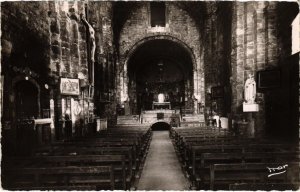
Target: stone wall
column 45, row 41
column 179, row 26
column 25, row 33
column 105, row 61
column 217, row 46
column 69, row 59
column 257, row 45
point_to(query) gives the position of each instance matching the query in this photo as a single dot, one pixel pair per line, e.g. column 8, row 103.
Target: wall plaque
column 69, row 86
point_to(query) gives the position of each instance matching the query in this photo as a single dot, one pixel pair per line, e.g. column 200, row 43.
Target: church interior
column 150, row 95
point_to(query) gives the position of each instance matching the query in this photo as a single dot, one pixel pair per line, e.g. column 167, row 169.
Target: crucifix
column 91, row 46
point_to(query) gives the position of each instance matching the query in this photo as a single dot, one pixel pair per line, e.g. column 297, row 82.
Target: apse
column 160, row 70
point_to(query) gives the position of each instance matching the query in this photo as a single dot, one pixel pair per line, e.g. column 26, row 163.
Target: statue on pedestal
column 250, row 90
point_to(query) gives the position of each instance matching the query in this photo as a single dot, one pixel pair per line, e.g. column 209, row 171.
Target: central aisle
column 162, row 170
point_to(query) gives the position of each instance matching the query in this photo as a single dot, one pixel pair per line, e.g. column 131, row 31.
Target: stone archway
column 193, row 84
column 33, row 83
column 133, row 49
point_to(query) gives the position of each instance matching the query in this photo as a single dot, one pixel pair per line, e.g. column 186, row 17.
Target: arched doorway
column 160, row 126
column 27, row 107
column 160, row 66
column 26, row 100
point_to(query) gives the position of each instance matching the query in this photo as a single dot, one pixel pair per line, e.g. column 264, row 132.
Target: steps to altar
column 165, row 115
column 149, row 117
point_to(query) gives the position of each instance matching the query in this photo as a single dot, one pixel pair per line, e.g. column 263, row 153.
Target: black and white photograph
column 150, row 95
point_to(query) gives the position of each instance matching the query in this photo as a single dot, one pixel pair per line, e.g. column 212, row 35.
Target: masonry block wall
column 105, row 94
column 217, row 46
column 179, row 25
column 68, row 53
column 254, row 43
column 24, row 33
column 45, row 41
column 257, row 44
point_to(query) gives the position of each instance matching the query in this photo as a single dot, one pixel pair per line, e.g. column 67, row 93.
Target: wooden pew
column 130, row 144
column 226, row 174
column 264, row 186
column 131, row 164
column 83, row 177
column 207, row 159
column 117, row 161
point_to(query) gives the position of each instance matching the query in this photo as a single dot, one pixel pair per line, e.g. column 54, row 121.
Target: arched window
column 158, row 14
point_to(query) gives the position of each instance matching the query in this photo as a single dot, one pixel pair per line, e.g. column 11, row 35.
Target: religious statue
column 91, row 37
column 250, row 90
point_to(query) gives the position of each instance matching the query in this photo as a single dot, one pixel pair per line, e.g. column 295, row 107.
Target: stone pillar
column 233, row 59
column 74, row 38
column 249, row 38
column 241, row 53
column 261, row 60
column 55, row 39
column 261, row 34
column 82, row 46
column 55, row 61
column 65, row 26
column 271, row 23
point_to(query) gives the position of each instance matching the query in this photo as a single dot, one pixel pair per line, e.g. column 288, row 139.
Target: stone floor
column 162, row 170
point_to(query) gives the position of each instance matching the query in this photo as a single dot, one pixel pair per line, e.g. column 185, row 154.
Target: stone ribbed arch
column 180, row 28
column 138, row 44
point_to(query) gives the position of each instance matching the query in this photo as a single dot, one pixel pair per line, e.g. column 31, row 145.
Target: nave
column 137, row 158
column 162, row 170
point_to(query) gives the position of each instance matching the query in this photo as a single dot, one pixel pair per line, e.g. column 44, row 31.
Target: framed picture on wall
column 217, row 92
column 268, row 79
column 69, row 86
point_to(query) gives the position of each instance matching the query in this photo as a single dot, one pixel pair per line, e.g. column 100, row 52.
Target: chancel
column 150, row 95
column 161, row 102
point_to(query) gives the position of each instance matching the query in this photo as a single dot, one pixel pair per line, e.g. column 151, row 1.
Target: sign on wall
column 69, row 86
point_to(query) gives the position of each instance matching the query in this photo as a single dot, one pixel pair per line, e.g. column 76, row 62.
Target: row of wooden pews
column 216, row 159
column 107, row 161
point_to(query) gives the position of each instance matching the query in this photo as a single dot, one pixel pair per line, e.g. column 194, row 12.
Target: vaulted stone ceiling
column 121, row 12
column 150, row 54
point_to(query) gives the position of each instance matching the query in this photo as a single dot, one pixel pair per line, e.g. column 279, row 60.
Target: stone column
column 55, row 66
column 65, row 28
column 271, row 23
column 241, row 53
column 261, row 34
column 261, row 60
column 82, row 46
column 74, row 38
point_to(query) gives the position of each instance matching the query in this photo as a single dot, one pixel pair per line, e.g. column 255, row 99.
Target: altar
column 161, row 105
